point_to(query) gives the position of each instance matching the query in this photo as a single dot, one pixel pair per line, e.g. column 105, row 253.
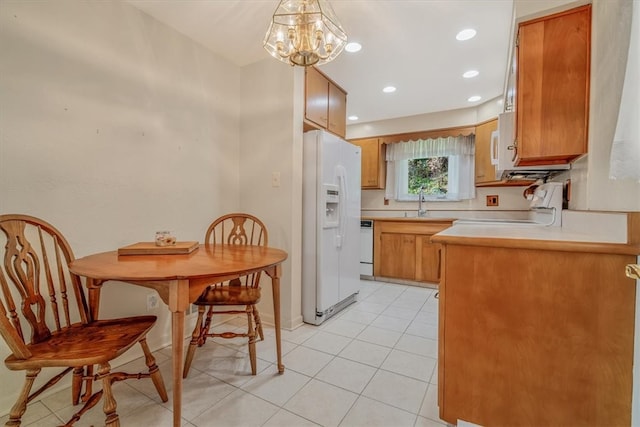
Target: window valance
column 451, row 146
column 428, row 134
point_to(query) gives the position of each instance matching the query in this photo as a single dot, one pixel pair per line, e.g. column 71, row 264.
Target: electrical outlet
column 153, row 301
column 492, row 200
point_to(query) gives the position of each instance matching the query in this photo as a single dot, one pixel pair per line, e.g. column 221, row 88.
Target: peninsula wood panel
column 535, row 337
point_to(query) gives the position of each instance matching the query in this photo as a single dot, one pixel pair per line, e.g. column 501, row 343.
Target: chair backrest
column 39, row 296
column 239, row 229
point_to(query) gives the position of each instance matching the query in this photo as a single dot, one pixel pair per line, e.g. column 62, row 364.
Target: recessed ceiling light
column 466, row 34
column 470, row 73
column 353, row 47
column 353, row 118
column 389, row 89
column 474, row 98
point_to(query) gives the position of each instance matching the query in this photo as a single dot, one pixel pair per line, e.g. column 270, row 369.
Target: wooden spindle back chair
column 46, row 321
column 231, row 229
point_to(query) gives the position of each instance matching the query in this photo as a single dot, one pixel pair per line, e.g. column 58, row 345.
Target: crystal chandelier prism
column 305, row 32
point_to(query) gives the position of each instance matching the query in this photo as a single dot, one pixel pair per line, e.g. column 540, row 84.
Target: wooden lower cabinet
column 403, row 250
column 428, row 270
column 535, row 337
column 398, row 255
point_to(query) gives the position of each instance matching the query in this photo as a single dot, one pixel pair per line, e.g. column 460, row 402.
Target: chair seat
column 229, row 295
column 80, row 345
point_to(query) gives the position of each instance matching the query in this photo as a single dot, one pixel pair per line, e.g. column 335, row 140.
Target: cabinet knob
column 632, row 271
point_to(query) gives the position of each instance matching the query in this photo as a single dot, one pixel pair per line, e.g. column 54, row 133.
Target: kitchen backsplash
column 509, row 199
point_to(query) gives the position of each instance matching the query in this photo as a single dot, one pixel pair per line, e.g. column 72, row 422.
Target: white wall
column 439, row 120
column 271, row 142
column 113, row 126
column 611, row 26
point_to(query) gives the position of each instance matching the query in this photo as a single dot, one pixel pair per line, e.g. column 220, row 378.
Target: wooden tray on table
column 150, row 248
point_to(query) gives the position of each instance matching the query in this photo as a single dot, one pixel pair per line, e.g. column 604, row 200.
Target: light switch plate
column 275, row 179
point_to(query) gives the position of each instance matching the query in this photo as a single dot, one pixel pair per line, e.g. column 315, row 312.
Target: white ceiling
column 409, row 44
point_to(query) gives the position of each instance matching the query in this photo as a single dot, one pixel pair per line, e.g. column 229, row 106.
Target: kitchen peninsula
column 536, row 324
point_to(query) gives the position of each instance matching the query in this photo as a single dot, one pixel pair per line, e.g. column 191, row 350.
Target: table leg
column 275, row 286
column 178, row 303
column 177, row 332
column 94, row 287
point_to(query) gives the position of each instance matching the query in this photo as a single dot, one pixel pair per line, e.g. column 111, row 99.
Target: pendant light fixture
column 305, row 32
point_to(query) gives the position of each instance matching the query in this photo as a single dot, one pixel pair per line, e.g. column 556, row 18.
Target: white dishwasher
column 366, row 248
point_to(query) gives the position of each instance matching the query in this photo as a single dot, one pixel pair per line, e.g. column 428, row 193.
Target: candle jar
column 164, row 238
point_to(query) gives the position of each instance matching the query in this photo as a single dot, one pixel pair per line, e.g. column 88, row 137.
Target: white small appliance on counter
column 546, row 202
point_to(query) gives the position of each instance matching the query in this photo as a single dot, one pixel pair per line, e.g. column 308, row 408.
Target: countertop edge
column 409, row 219
column 542, row 244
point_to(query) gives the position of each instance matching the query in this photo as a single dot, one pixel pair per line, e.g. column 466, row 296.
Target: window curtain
column 625, row 151
column 460, row 151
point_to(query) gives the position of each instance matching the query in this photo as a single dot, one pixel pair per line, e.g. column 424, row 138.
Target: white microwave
column 503, row 153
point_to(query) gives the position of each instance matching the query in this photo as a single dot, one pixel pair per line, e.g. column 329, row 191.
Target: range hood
column 527, row 174
column 502, row 155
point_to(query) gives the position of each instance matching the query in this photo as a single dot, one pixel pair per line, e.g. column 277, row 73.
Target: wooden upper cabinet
column 373, row 163
column 316, row 97
column 325, row 102
column 337, row 110
column 485, row 171
column 552, row 89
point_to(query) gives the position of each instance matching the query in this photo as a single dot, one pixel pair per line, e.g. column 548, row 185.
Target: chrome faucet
column 421, row 212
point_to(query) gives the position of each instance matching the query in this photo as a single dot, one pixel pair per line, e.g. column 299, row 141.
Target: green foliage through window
column 431, row 173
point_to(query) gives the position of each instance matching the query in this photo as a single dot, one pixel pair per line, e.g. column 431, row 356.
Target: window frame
column 402, row 178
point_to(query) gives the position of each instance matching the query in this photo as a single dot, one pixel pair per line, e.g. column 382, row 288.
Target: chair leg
column 256, row 316
column 195, row 340
column 251, row 333
column 112, row 419
column 76, row 385
column 156, row 376
column 20, row 407
column 207, row 325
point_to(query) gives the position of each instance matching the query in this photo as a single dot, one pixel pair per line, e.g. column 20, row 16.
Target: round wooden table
column 179, row 280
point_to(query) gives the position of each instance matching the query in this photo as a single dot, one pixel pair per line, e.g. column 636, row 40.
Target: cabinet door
column 552, row 107
column 337, row 110
column 485, row 171
column 372, row 170
column 509, row 315
column 316, row 97
column 398, row 255
column 428, row 260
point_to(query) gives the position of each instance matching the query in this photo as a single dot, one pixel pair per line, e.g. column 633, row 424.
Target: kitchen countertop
column 408, row 219
column 601, row 232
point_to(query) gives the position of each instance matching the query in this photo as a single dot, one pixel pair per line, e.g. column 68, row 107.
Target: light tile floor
column 373, row 364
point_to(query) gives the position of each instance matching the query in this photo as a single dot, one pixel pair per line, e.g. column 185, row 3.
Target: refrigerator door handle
column 342, row 205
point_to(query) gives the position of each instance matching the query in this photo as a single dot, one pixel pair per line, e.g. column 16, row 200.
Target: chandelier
column 304, row 32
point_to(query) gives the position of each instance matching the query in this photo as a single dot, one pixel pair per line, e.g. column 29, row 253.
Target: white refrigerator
column 330, row 225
